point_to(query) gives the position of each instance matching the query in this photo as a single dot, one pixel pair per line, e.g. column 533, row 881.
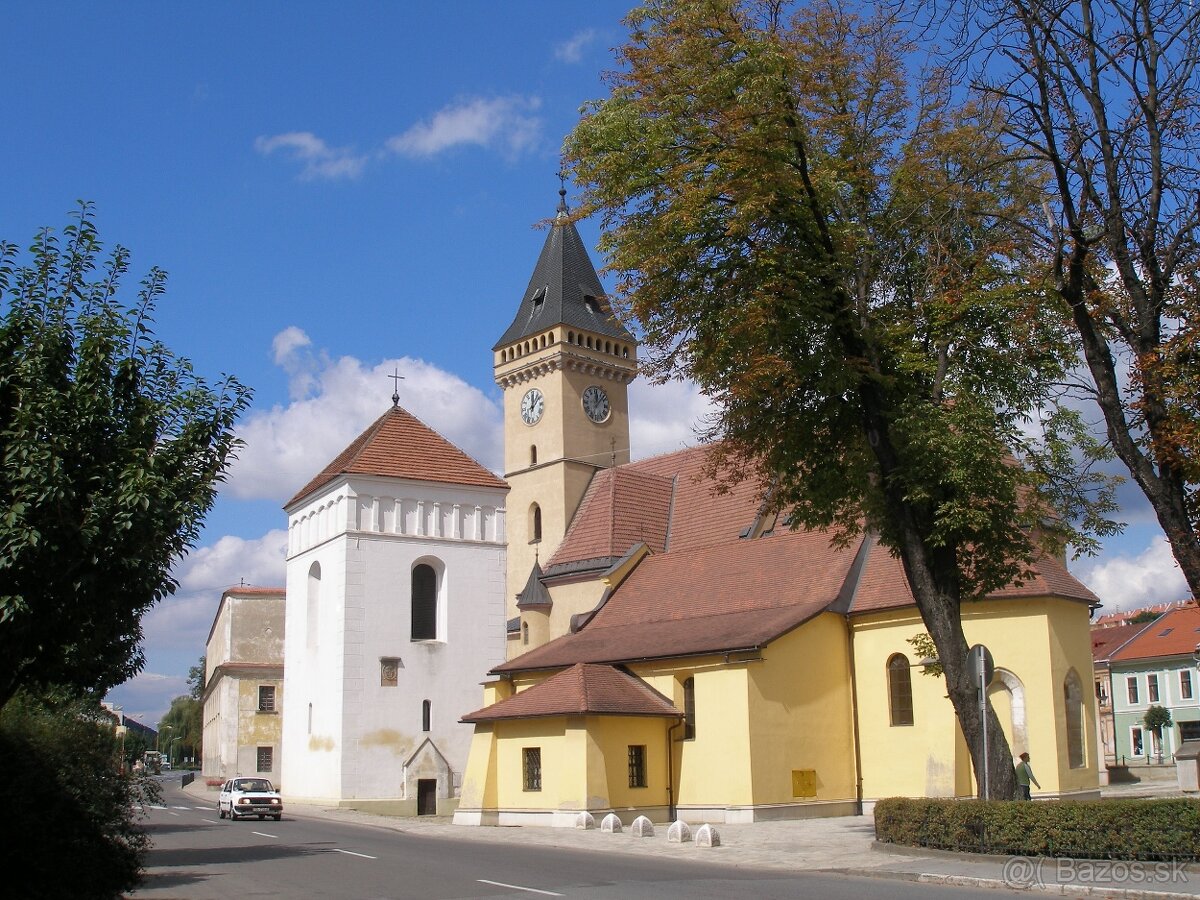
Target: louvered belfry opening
column 424, row 603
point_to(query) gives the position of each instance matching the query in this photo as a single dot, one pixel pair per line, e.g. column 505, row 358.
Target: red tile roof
column 581, row 690
column 1174, row 634
column 399, row 445
column 1107, row 640
column 705, row 600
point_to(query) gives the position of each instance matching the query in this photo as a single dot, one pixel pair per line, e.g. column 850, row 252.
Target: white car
column 249, row 797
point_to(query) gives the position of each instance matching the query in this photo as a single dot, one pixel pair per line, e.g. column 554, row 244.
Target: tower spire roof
column 564, row 288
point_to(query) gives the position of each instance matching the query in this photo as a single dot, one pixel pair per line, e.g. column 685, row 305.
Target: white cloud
column 666, row 417
column 508, row 123
column 571, row 51
column 1124, row 582
column 319, row 159
column 334, row 400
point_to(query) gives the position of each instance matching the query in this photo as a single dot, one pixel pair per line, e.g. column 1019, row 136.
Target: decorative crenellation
column 405, row 516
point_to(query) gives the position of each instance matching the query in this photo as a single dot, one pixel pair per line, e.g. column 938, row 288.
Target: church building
column 394, row 614
column 677, row 652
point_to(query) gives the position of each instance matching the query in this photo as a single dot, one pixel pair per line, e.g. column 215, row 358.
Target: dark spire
column 564, row 289
column 534, row 593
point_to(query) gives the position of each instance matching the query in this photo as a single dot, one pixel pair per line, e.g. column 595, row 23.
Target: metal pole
column 987, row 793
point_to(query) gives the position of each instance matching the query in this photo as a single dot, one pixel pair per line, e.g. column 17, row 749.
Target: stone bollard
column 585, row 821
column 642, row 827
column 707, row 836
column 611, row 824
column 679, row 832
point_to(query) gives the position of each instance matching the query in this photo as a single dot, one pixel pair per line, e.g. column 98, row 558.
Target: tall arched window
column 426, row 714
column 533, row 454
column 1073, row 699
column 535, row 523
column 900, row 701
column 689, row 709
column 424, row 603
column 313, row 605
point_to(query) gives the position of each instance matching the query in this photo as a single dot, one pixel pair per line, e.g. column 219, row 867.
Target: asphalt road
column 196, row 855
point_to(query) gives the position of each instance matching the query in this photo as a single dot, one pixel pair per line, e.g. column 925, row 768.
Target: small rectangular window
column 1135, row 742
column 637, row 765
column 1185, row 685
column 266, row 759
column 266, row 698
column 1131, row 686
column 531, row 768
column 1152, row 688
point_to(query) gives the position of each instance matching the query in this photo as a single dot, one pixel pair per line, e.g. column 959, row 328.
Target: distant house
column 1157, row 667
column 1107, row 640
column 243, row 685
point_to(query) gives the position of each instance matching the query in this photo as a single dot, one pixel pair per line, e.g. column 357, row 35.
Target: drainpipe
column 858, row 785
column 671, row 770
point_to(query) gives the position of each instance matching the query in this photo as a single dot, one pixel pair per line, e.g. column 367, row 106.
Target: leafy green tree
column 196, row 678
column 1155, row 719
column 1104, row 95
column 110, row 451
column 63, row 793
column 185, row 721
column 1144, row 617
column 835, row 255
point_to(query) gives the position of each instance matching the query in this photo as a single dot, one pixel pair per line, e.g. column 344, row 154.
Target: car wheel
column 260, row 818
column 220, row 813
column 278, row 817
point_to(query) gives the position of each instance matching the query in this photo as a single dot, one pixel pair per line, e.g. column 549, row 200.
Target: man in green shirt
column 1024, row 776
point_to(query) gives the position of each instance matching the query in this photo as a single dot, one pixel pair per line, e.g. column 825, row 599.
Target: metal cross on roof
column 396, row 379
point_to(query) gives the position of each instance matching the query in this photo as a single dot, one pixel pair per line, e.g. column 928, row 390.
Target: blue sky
column 336, row 190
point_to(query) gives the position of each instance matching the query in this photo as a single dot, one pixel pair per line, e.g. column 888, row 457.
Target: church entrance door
column 426, row 796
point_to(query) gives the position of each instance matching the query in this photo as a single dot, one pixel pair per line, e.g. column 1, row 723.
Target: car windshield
column 252, row 784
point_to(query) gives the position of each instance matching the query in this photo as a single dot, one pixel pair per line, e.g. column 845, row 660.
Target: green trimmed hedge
column 1100, row 829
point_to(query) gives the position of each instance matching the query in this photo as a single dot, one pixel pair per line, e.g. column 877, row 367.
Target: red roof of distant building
column 1106, row 640
column 399, row 445
column 1174, row 634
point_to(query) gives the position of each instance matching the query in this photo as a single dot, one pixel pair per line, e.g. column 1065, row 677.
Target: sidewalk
column 844, row 844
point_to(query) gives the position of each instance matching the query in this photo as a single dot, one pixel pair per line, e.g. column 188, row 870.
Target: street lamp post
column 158, row 735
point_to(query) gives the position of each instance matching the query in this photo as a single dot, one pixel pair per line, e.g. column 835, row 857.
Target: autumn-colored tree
column 834, row 254
column 1105, row 95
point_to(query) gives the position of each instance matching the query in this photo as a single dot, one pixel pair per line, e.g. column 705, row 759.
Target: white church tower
column 395, row 613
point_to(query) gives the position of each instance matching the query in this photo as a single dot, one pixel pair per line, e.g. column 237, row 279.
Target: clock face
column 531, row 406
column 595, row 403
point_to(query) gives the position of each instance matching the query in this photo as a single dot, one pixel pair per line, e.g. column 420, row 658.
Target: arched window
column 426, row 714
column 1073, row 698
column 533, row 454
column 689, row 709
column 899, row 677
column 535, row 524
column 424, row 603
column 570, row 337
column 524, row 632
column 313, row 605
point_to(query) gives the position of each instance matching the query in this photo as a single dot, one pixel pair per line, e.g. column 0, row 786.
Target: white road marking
column 264, row 834
column 203, row 808
column 154, row 806
column 210, row 821
column 181, row 807
column 352, row 853
column 517, row 887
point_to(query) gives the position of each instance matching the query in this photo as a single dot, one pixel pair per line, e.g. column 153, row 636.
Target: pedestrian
column 1024, row 776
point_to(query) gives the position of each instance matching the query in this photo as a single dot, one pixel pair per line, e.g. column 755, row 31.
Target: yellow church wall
column 713, row 770
column 799, row 717
column 1033, row 642
column 571, row 598
column 614, row 735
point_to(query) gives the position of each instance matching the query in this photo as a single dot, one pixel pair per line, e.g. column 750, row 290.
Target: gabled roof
column 1107, row 640
column 399, row 445
column 564, row 289
column 1174, row 634
column 706, row 600
column 581, row 690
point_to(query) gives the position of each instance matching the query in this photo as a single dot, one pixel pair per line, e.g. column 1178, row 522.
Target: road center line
column 517, row 887
column 352, row 853
column 203, row 808
column 264, row 834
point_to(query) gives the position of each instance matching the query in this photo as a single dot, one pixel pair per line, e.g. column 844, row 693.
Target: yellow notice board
column 804, row 782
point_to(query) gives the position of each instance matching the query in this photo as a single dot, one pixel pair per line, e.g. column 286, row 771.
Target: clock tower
column 565, row 364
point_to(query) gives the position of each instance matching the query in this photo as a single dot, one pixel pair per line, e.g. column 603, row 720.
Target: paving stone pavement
column 842, row 844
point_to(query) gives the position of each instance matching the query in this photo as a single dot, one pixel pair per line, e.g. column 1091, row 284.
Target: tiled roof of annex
column 1174, row 634
column 399, row 445
column 706, row 587
column 581, row 690
column 1107, row 640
